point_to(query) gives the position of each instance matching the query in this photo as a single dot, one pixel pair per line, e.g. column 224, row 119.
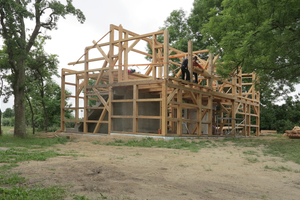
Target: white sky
column 138, row 16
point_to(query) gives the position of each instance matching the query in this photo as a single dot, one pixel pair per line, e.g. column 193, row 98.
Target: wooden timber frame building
column 156, row 101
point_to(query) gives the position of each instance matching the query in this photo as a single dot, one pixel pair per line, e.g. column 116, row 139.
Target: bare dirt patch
column 158, row 173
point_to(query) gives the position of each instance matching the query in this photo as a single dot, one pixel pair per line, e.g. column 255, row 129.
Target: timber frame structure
column 115, row 99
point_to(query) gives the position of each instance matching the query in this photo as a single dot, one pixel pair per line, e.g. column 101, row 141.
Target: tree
column 51, row 101
column 40, row 69
column 261, row 36
column 8, row 113
column 14, row 14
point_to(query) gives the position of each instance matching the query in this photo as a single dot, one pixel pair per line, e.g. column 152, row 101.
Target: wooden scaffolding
column 156, row 101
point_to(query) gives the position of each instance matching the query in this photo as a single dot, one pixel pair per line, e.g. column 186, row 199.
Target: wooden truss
column 156, row 101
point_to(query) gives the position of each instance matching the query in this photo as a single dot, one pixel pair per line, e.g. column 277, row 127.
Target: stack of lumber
column 295, row 133
column 268, row 132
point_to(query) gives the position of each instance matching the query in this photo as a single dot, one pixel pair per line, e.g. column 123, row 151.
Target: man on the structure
column 185, row 70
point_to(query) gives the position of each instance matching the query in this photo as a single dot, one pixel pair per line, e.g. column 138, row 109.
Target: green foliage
column 8, row 113
column 260, row 36
column 20, row 35
column 281, row 117
column 6, row 122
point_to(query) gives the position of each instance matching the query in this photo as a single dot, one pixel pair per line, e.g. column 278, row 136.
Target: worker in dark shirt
column 185, row 70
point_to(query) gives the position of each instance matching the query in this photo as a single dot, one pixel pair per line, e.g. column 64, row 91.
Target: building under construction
column 113, row 93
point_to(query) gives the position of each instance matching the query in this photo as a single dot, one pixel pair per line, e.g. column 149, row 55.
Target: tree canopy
column 19, row 40
column 261, row 36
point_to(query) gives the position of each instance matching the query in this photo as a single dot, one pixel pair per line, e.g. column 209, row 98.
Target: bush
column 282, row 125
column 8, row 121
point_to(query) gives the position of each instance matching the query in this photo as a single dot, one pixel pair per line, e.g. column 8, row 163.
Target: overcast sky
column 138, row 16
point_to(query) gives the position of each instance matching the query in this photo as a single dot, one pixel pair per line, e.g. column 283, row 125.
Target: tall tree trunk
column 20, row 120
column 32, row 114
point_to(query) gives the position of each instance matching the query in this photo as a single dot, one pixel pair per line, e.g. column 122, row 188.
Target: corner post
column 190, row 59
column 166, row 54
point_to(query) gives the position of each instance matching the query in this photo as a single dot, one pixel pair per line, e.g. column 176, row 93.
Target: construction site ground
column 120, row 172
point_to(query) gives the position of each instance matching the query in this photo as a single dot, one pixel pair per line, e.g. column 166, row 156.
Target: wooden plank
column 190, row 59
column 170, row 97
column 179, row 112
column 164, row 109
column 100, row 120
column 101, row 98
column 166, row 54
column 135, row 109
column 85, row 100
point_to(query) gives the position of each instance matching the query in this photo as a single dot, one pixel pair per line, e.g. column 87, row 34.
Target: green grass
column 30, row 142
column 193, row 146
column 15, row 150
column 23, row 193
column 287, row 149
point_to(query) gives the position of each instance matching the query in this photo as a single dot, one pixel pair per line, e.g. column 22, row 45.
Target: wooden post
column 62, row 106
column 190, row 59
column 110, row 109
column 154, row 56
column 210, row 70
column 166, row 54
column 164, row 107
column 86, row 82
column 179, row 112
column 210, row 115
column 199, row 111
column 77, row 93
column 126, row 58
column 233, row 116
column 135, row 109
column 120, row 53
column 111, row 51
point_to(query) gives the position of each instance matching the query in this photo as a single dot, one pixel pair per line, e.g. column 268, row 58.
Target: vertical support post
column 166, row 54
column 258, row 121
column 233, row 116
column 77, row 99
column 120, row 53
column 179, row 112
column 86, row 82
column 110, row 109
column 62, row 103
column 199, row 111
column 210, row 70
column 164, row 108
column 135, row 109
column 240, row 81
column 126, row 58
column 253, row 81
column 248, row 120
column 210, row 114
column 111, row 51
column 190, row 59
column 154, row 57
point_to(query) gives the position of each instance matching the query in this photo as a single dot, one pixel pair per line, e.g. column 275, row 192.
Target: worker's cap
column 195, row 57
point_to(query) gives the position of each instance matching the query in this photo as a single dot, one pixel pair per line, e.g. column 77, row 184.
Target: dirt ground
column 156, row 173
